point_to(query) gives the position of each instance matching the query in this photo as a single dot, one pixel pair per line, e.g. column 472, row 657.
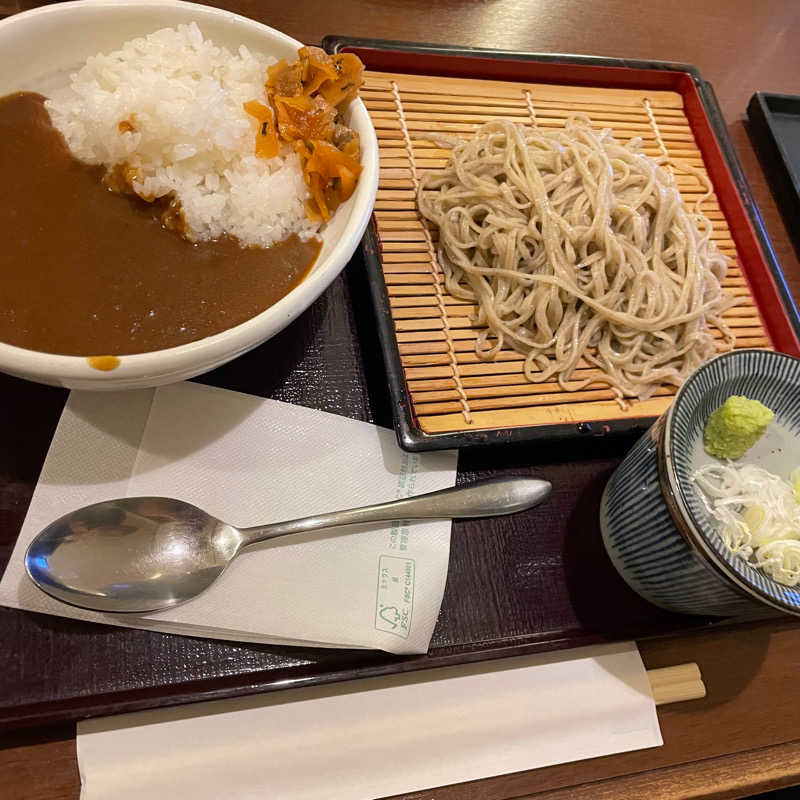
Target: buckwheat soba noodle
column 578, row 251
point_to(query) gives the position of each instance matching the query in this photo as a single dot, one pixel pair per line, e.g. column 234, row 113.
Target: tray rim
column 48, row 713
column 410, row 436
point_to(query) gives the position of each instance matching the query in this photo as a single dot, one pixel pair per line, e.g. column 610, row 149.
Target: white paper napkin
column 250, row 461
column 378, row 737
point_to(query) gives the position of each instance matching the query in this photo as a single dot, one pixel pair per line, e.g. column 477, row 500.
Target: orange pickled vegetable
column 329, row 161
column 318, row 206
column 306, row 99
column 285, row 79
column 323, row 166
column 321, row 68
column 304, row 117
column 267, row 145
column 352, row 148
column 339, row 93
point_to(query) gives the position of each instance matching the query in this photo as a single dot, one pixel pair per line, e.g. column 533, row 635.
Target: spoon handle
column 487, row 498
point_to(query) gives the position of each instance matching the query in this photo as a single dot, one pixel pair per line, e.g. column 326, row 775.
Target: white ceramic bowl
column 38, row 51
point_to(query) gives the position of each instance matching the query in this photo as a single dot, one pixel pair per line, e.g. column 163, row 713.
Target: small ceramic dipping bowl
column 655, row 527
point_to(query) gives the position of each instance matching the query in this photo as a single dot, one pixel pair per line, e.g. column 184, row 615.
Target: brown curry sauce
column 85, row 270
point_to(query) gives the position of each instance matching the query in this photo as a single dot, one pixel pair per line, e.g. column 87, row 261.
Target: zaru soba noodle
column 576, row 247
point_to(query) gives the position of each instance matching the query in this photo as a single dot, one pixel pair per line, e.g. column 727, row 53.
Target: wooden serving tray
column 520, row 584
column 445, row 395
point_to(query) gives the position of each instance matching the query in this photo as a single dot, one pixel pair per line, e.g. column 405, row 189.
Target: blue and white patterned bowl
column 654, row 526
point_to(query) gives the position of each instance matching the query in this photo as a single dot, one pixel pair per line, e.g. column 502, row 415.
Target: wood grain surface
column 741, row 738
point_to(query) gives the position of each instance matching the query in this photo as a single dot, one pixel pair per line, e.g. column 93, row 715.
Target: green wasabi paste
column 735, row 427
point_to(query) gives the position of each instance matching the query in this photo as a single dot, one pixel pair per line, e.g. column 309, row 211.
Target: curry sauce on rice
column 174, row 191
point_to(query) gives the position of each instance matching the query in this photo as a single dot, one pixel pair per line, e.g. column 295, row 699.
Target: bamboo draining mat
column 451, row 389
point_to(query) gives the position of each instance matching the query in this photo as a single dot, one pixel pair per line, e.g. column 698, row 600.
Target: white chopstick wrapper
column 251, row 461
column 378, row 737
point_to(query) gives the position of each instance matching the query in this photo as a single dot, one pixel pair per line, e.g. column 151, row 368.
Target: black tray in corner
column 775, row 131
column 763, row 269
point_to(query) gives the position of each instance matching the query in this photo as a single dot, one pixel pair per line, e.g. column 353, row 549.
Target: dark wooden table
column 744, row 737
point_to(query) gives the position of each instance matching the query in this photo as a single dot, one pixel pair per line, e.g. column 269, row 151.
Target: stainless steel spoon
column 143, row 554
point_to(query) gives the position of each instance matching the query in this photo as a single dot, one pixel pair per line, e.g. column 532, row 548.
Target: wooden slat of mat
column 448, row 382
column 422, row 88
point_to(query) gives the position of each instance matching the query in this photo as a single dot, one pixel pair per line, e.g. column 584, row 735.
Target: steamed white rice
column 183, row 95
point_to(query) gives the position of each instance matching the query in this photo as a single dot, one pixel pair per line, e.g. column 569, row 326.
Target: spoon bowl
column 141, row 554
column 134, row 555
